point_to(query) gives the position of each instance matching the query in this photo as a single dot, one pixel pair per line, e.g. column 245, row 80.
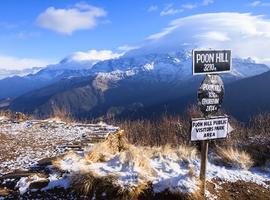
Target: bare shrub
column 233, row 158
column 63, row 114
column 6, row 113
column 135, row 156
column 167, row 130
column 260, row 125
column 252, row 137
column 15, row 116
column 91, row 186
column 114, row 143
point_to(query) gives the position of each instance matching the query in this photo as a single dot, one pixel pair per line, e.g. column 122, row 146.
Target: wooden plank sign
column 208, row 129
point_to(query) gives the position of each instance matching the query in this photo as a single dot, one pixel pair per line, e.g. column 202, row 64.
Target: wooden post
column 204, row 153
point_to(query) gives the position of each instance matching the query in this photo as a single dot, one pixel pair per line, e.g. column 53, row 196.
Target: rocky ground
column 23, row 144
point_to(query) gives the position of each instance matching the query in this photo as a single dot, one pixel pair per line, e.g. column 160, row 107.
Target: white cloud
column 152, row 8
column 10, row 62
column 260, row 3
column 94, row 55
column 246, row 34
column 189, row 6
column 255, row 3
column 81, row 16
column 169, row 10
column 207, row 2
column 127, row 47
column 213, row 36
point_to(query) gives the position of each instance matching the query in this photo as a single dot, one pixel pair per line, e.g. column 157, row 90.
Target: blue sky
column 39, row 32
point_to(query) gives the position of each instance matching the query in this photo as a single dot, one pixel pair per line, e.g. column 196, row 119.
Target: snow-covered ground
column 175, row 169
column 169, row 172
column 22, row 144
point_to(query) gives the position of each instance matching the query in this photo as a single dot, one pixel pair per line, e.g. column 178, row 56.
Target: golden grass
column 62, row 114
column 6, row 113
column 234, row 158
column 139, row 190
column 16, row 116
column 180, row 152
column 106, row 187
column 135, row 156
column 103, row 151
column 138, row 156
column 89, row 183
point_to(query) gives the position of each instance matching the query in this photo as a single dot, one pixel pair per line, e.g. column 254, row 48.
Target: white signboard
column 207, row 129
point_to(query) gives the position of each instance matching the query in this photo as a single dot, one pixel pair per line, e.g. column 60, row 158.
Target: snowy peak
column 4, row 73
column 247, row 67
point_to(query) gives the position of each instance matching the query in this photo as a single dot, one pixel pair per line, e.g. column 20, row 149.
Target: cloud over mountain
column 93, row 55
column 11, row 62
column 246, row 34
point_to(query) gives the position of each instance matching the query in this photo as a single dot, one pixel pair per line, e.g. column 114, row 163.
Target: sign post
column 204, row 153
column 210, row 97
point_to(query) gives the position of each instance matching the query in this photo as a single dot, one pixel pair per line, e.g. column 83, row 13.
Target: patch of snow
column 210, row 196
column 149, row 66
column 72, row 163
column 233, row 175
column 57, row 181
column 172, row 174
column 176, row 60
column 24, row 183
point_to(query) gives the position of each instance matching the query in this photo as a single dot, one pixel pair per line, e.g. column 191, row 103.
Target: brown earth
column 239, row 190
column 218, row 189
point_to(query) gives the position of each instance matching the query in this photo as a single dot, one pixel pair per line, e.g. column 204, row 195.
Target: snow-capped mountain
column 4, row 73
column 168, row 67
column 118, row 85
column 17, row 85
column 173, row 67
column 244, row 68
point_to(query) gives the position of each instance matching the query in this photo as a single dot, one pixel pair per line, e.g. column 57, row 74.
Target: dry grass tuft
column 135, row 156
column 95, row 157
column 181, row 152
column 233, row 158
column 62, row 114
column 6, row 113
column 90, row 185
column 15, row 116
column 142, row 189
column 102, row 152
column 186, row 153
column 116, row 142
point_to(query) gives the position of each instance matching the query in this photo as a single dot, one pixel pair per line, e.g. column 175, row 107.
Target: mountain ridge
column 118, row 85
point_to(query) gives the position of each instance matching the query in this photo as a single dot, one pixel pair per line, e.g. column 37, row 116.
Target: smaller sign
column 210, row 94
column 211, row 61
column 208, row 129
